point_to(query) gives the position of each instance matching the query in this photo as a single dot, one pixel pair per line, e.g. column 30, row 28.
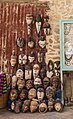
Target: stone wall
column 59, row 9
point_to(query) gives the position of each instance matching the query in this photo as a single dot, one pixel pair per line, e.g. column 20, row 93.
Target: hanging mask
column 36, row 69
column 40, row 57
column 13, row 60
column 31, row 57
column 28, row 72
column 20, row 42
column 42, row 42
column 55, row 81
column 22, row 59
column 13, row 94
column 14, row 81
column 37, row 82
column 42, row 73
column 46, row 82
column 40, row 94
column 32, row 93
column 38, row 23
column 29, row 20
column 33, row 106
column 46, row 27
column 20, row 84
column 31, row 43
column 50, row 104
column 26, row 106
column 49, row 92
column 29, row 84
column 12, row 106
column 58, row 106
column 23, row 94
column 19, row 73
column 42, row 107
column 17, row 106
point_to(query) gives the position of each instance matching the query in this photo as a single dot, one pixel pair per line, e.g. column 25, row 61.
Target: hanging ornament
column 40, row 94
column 42, row 42
column 38, row 23
column 28, row 72
column 19, row 73
column 31, row 57
column 29, row 20
column 20, row 42
column 13, row 60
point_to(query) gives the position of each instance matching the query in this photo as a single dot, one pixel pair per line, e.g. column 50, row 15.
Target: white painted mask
column 14, row 80
column 22, row 59
column 19, row 73
column 40, row 94
column 28, row 72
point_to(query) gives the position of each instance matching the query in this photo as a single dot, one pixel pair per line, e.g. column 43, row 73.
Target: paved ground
column 66, row 114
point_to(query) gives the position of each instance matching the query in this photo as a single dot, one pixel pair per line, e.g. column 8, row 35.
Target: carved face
column 20, row 42
column 40, row 57
column 50, row 104
column 23, row 94
column 19, row 73
column 17, row 106
column 26, row 106
column 13, row 60
column 29, row 84
column 12, row 106
column 32, row 93
column 22, row 59
column 20, row 84
column 29, row 19
column 40, row 94
column 14, row 80
column 45, row 82
column 37, row 82
column 28, row 72
column 49, row 92
column 42, row 107
column 43, row 73
column 13, row 94
column 38, row 23
column 33, row 106
column 36, row 69
column 42, row 43
column 58, row 106
column 30, row 44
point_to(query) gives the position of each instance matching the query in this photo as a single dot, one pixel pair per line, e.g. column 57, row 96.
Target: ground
column 66, row 114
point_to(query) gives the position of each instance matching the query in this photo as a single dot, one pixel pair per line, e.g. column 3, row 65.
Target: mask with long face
column 14, row 81
column 31, row 57
column 32, row 93
column 36, row 69
column 40, row 94
column 37, row 82
column 13, row 60
column 33, row 106
column 28, row 72
column 26, row 106
column 46, row 82
column 29, row 84
column 20, row 84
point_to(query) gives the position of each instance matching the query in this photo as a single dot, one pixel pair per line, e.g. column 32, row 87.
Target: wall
column 59, row 9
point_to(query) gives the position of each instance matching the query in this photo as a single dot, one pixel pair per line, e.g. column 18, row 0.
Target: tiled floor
column 66, row 114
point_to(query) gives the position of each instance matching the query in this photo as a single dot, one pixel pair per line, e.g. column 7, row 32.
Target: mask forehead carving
column 19, row 73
